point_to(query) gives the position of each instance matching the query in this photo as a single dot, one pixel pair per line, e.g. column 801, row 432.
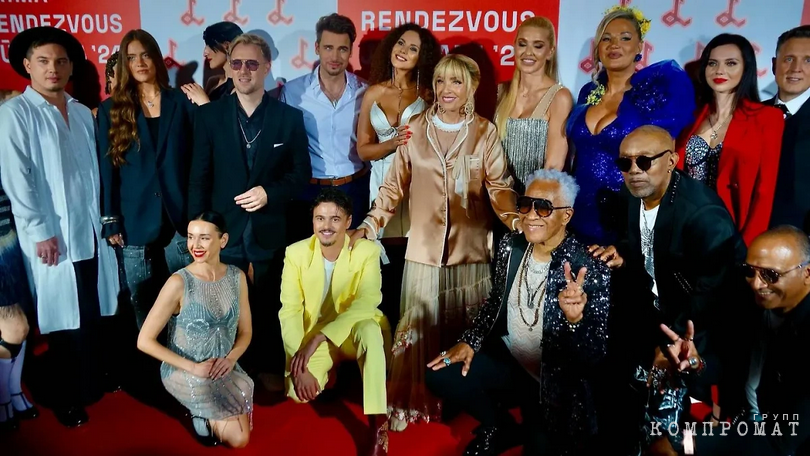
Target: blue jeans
column 146, row 269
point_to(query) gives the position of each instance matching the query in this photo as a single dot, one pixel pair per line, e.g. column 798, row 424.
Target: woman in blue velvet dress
column 620, row 100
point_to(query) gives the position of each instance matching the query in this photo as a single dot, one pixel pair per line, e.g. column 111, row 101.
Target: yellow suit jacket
column 356, row 291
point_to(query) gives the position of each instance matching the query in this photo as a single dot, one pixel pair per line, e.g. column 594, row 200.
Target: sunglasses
column 643, row 162
column 252, row 65
column 769, row 276
column 541, row 206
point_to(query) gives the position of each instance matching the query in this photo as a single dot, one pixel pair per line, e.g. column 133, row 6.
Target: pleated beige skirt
column 437, row 305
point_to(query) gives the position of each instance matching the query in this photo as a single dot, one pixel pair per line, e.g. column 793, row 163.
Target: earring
column 417, row 82
column 468, row 108
column 638, row 58
column 392, row 75
column 441, row 108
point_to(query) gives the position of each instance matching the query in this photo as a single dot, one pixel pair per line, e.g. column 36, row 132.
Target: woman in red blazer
column 734, row 144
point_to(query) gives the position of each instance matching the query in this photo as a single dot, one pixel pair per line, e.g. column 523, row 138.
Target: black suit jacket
column 782, row 392
column 696, row 249
column 791, row 205
column 154, row 176
column 219, row 171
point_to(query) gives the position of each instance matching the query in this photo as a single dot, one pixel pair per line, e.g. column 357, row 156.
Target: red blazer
column 749, row 164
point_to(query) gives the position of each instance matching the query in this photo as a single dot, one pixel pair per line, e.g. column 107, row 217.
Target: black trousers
column 77, row 356
column 266, row 351
column 494, row 384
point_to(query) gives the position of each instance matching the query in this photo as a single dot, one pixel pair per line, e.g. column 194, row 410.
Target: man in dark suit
column 791, row 66
column 771, row 388
column 250, row 159
column 675, row 263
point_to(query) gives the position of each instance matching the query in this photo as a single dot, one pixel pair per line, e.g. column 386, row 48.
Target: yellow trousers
column 369, row 343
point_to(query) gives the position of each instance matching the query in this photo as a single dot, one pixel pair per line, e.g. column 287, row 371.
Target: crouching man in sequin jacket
column 538, row 338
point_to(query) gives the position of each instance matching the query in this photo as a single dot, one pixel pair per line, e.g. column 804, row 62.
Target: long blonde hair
column 509, row 97
column 463, row 68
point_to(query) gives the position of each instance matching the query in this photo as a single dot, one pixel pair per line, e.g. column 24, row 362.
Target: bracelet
column 107, row 219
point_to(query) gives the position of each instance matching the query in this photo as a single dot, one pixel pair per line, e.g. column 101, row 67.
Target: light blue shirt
column 332, row 130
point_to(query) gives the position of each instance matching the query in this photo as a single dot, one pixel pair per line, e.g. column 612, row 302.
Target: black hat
column 44, row 35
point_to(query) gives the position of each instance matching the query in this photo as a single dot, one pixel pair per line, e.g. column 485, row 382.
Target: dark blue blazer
column 154, row 177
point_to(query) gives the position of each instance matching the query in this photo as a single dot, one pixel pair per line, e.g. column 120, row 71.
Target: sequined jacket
column 570, row 352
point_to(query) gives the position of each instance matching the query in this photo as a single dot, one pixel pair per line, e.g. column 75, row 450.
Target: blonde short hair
column 256, row 40
column 461, row 67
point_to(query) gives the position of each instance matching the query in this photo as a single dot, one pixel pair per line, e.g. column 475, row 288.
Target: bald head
column 651, row 136
column 786, row 237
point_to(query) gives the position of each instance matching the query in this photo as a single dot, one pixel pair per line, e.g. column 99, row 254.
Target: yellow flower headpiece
column 643, row 22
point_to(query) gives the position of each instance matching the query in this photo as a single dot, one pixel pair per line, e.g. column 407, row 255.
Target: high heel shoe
column 12, row 422
column 28, row 414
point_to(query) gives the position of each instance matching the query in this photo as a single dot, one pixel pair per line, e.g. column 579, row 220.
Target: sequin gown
column 206, row 328
column 662, row 95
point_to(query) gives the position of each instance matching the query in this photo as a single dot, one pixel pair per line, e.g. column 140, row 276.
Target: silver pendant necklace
column 248, row 143
column 151, row 103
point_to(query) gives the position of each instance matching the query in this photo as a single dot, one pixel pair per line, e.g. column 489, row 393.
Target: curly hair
column 430, row 52
column 109, row 71
column 126, row 99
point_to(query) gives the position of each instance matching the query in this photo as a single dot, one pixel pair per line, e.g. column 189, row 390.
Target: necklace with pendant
column 151, row 103
column 715, row 131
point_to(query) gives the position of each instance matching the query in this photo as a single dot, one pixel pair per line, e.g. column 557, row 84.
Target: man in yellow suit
column 329, row 299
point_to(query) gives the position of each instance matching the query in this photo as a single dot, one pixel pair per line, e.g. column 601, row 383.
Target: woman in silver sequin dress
column 533, row 107
column 206, row 307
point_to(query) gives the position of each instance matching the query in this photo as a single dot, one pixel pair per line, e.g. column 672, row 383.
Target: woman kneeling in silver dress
column 206, row 307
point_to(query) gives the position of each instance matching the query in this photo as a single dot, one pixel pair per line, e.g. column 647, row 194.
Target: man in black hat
column 49, row 170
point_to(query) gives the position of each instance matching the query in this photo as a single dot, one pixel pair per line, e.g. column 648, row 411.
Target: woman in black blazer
column 144, row 142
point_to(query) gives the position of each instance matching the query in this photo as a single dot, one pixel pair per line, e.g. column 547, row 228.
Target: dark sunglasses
column 541, row 206
column 643, row 162
column 769, row 276
column 252, row 65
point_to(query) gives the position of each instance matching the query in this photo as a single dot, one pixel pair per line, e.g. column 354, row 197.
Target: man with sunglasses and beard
column 770, row 386
column 250, row 159
column 538, row 339
column 674, row 263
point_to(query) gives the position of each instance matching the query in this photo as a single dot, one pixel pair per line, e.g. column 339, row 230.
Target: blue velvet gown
column 662, row 94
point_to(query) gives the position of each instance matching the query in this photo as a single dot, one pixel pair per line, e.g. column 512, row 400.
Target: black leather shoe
column 28, row 414
column 484, row 443
column 72, row 416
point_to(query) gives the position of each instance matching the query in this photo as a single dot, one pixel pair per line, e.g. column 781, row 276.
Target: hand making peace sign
column 573, row 298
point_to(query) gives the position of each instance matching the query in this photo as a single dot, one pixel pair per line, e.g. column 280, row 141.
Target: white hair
column 568, row 185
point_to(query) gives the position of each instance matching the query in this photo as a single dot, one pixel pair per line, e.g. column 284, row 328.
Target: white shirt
column 328, row 268
column 650, row 217
column 49, row 170
column 795, row 104
column 331, row 130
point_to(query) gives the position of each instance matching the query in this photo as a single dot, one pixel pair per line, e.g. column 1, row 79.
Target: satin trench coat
column 443, row 231
column 35, row 150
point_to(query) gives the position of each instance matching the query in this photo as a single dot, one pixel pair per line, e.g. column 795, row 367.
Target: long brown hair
column 126, row 100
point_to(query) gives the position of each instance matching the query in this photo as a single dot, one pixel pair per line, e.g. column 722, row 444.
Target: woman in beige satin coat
column 455, row 174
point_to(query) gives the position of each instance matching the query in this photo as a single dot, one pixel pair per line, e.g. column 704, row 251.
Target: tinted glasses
column 769, row 276
column 541, row 206
column 643, row 162
column 252, row 65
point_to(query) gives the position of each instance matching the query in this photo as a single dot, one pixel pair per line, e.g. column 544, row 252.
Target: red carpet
column 121, row 426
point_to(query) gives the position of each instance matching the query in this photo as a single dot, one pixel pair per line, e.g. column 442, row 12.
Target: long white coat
column 45, row 167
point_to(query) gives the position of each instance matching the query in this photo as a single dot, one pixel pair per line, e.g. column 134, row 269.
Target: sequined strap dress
column 526, row 140
column 206, row 328
column 702, row 160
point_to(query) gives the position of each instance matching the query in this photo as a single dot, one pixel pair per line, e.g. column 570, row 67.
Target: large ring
column 694, row 362
column 446, row 361
column 442, row 353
